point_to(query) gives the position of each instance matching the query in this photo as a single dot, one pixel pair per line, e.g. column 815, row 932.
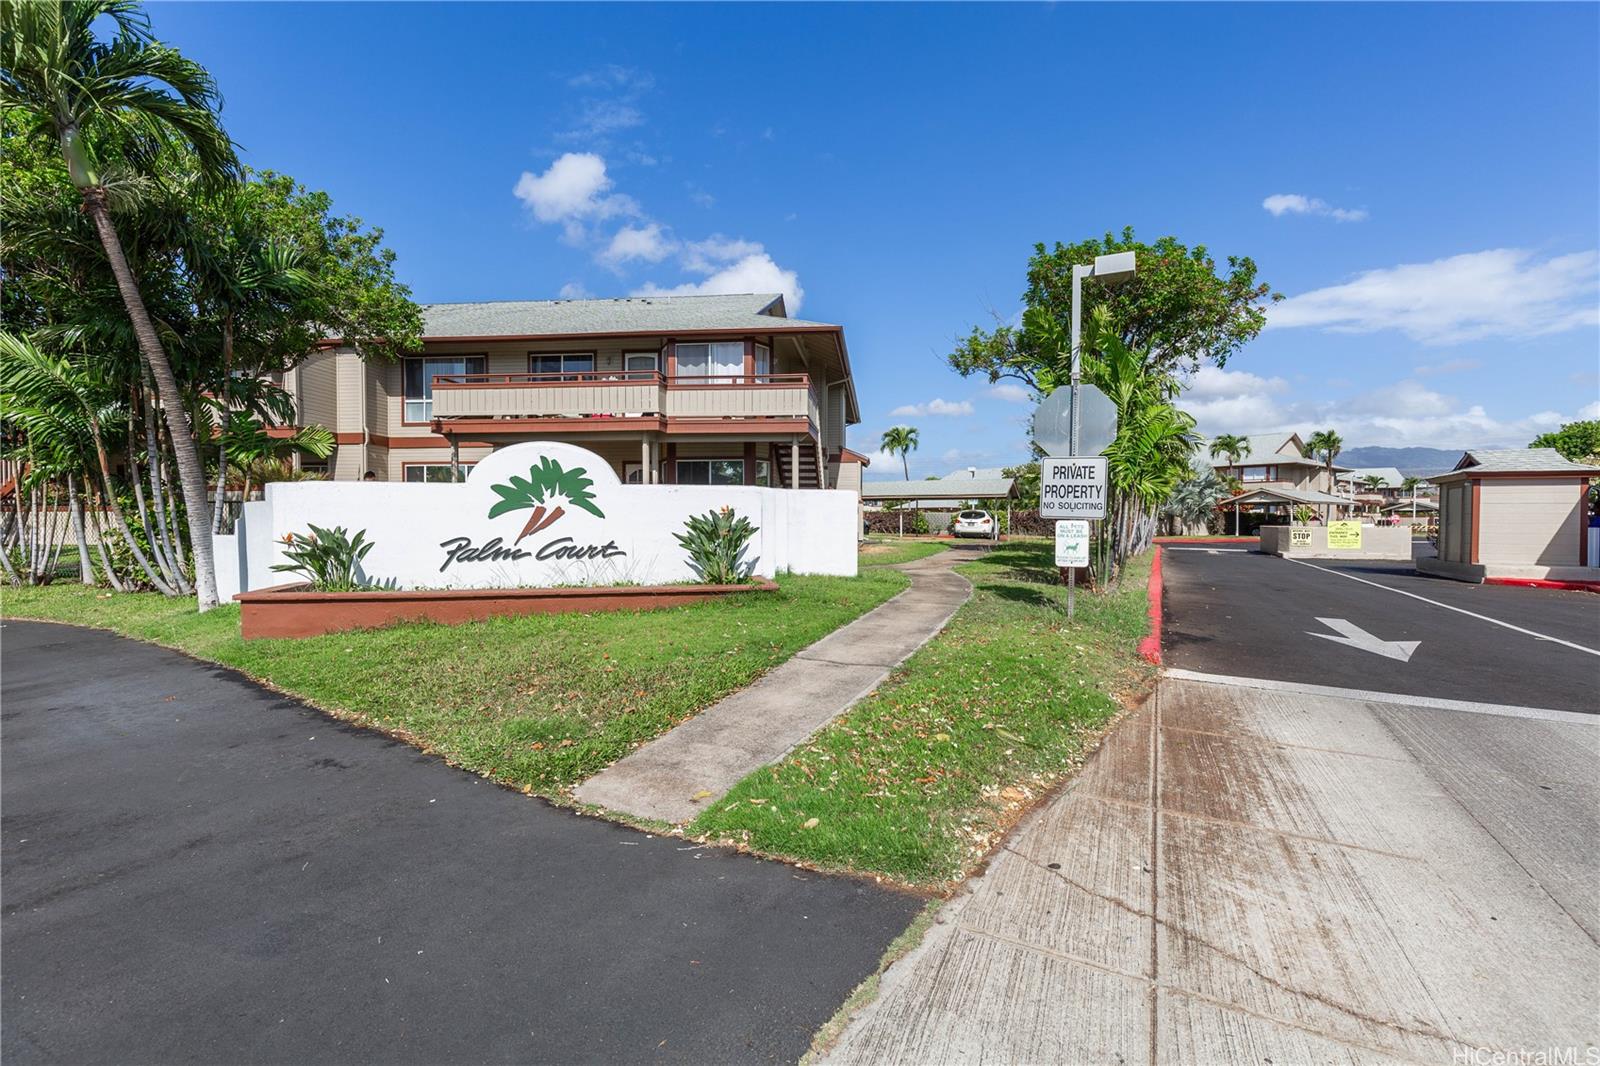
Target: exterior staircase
column 808, row 467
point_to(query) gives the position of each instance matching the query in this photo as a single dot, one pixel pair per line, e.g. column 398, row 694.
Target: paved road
column 197, row 869
column 1249, row 615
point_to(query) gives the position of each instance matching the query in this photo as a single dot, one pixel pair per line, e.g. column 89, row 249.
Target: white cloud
column 575, row 290
column 1397, row 415
column 1292, row 203
column 1505, row 292
column 753, row 273
column 572, row 190
column 1589, row 410
column 707, row 256
column 1449, row 366
column 598, row 118
column 1211, row 382
column 954, row 408
column 699, row 197
column 648, row 243
column 1010, row 393
column 614, row 77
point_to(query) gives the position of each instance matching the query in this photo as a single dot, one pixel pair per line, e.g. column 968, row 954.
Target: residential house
column 1276, row 476
column 667, row 389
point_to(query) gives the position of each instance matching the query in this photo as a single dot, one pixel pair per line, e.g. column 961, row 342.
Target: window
column 711, row 471
column 434, row 473
column 763, row 473
column 720, row 359
column 1255, row 473
column 973, row 515
column 763, row 362
column 573, row 364
column 419, row 381
column 632, row 474
column 637, row 364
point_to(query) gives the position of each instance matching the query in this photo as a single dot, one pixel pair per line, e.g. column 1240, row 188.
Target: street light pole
column 1110, row 269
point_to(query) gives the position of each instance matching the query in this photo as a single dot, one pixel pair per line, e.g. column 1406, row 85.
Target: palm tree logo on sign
column 549, row 491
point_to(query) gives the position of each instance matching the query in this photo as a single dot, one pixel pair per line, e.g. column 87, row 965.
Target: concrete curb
column 1543, row 583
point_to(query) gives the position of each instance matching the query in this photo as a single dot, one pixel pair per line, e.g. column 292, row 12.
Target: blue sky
column 1431, row 173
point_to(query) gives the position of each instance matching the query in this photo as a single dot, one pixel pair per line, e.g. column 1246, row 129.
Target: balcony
column 681, row 400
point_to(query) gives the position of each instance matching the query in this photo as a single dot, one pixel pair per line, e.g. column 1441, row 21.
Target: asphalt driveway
column 198, row 869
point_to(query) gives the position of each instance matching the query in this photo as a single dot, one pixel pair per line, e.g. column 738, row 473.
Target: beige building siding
column 1529, row 521
column 348, row 462
column 316, row 390
column 833, row 419
column 849, row 477
column 350, row 383
column 397, row 459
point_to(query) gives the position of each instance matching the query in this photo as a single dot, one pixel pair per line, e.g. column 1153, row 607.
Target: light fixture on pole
column 1109, row 270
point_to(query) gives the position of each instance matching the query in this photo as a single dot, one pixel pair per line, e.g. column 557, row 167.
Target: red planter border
column 294, row 611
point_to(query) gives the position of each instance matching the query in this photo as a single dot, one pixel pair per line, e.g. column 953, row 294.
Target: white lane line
column 1448, row 607
column 1431, row 702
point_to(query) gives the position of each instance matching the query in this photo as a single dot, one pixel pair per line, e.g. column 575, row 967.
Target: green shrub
column 326, row 557
column 716, row 543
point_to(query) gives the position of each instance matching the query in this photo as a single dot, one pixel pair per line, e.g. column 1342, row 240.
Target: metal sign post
column 1073, row 487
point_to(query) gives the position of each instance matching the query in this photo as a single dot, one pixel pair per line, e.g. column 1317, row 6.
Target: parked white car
column 973, row 524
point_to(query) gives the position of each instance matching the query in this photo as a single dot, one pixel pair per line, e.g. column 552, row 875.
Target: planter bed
column 294, row 610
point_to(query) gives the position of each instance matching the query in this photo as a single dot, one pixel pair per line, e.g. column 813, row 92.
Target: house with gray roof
column 1276, row 474
column 1516, row 514
column 724, row 389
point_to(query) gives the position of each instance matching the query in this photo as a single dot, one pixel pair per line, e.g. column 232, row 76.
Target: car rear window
column 973, row 514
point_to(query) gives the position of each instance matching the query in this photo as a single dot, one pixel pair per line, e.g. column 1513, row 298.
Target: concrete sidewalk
column 1251, row 876
column 677, row 775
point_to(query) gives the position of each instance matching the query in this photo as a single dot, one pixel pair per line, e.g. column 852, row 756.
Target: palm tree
column 1373, row 482
column 1235, row 448
column 1408, row 485
column 88, row 94
column 900, row 440
column 1193, row 500
column 1327, row 444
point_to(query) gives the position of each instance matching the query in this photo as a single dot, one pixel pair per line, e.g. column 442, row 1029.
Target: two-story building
column 669, row 389
column 1277, row 475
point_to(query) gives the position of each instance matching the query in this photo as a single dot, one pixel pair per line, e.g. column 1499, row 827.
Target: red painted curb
column 1541, row 583
column 1207, row 540
column 1150, row 647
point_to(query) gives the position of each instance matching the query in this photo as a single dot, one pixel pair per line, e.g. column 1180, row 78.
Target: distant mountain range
column 1411, row 462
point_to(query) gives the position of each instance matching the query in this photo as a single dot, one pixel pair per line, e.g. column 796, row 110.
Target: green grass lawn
column 887, row 551
column 540, row 702
column 918, row 780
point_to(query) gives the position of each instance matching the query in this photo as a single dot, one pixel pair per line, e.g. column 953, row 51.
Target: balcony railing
column 613, row 393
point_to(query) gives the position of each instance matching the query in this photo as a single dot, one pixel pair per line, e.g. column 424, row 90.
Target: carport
column 1519, row 514
column 1286, row 500
column 955, row 491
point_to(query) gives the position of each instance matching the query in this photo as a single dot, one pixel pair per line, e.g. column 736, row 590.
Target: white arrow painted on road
column 1356, row 637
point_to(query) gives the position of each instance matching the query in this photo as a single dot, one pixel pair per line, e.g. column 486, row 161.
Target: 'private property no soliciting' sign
column 1072, row 486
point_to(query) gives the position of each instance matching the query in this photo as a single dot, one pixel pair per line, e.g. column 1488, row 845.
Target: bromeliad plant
column 327, row 557
column 716, row 543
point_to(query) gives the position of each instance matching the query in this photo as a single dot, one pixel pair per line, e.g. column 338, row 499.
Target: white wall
column 805, row 531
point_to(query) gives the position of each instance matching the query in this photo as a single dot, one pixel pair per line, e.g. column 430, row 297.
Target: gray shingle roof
column 1515, row 460
column 1391, row 476
column 757, row 312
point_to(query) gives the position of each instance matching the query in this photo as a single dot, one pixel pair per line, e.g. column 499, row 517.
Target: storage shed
column 1514, row 514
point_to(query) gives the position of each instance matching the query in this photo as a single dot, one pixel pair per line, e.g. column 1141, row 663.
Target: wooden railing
column 577, row 394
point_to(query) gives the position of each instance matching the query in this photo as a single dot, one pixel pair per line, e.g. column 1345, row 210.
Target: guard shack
column 1514, row 514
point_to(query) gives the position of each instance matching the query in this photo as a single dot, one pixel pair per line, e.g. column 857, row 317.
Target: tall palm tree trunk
column 191, row 475
column 75, row 505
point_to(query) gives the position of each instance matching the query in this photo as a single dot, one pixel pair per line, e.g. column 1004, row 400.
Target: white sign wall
column 541, row 514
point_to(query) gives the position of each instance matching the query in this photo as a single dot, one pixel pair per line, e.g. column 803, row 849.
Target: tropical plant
column 89, row 95
column 1408, row 485
column 248, row 448
column 1194, row 500
column 1026, row 488
column 328, row 558
column 1235, row 448
column 901, row 441
column 716, row 542
column 546, row 489
column 1304, row 513
column 1326, row 444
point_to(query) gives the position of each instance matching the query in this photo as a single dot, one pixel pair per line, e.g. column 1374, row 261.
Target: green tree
column 1178, row 311
column 1235, row 448
column 1578, row 441
column 1195, row 499
column 85, row 92
column 1408, row 485
column 1026, row 477
column 901, row 441
column 1327, row 444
